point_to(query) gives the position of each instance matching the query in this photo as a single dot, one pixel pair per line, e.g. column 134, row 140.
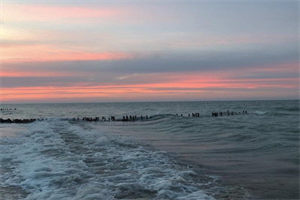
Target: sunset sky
column 148, row 50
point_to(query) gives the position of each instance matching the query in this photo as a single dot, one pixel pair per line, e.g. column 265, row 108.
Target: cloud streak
column 140, row 50
column 44, row 53
column 208, row 85
column 19, row 12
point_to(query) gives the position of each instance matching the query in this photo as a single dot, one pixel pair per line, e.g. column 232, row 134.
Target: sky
column 148, row 50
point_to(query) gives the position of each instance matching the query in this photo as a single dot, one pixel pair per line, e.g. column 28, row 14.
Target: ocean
column 167, row 156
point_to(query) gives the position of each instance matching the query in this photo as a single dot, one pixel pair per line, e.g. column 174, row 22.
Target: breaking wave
column 60, row 160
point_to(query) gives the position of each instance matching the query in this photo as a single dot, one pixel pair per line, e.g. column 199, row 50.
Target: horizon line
column 160, row 101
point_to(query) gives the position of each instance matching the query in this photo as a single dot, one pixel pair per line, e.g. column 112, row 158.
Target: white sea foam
column 258, row 112
column 58, row 160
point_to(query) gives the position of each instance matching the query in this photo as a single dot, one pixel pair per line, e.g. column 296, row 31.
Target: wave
column 59, row 160
column 258, row 112
column 291, row 109
column 276, row 113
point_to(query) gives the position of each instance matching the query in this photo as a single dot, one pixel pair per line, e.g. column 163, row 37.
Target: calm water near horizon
column 253, row 156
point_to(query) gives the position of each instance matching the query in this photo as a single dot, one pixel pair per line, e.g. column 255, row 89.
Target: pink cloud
column 41, row 13
column 196, row 85
column 44, row 53
column 33, row 74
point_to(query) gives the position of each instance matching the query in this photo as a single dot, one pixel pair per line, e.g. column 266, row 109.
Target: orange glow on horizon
column 179, row 88
column 143, row 86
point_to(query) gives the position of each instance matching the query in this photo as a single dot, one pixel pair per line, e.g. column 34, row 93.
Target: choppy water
column 254, row 156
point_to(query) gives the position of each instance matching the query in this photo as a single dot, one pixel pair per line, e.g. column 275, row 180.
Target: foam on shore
column 58, row 160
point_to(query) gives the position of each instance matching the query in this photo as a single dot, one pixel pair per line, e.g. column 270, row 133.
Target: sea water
column 247, row 156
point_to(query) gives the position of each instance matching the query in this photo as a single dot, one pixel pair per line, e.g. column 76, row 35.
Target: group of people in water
column 89, row 119
column 7, row 109
column 134, row 118
column 124, row 118
column 216, row 114
column 113, row 118
column 18, row 121
column 228, row 113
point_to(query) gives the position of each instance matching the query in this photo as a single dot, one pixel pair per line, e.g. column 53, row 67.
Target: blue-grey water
column 253, row 156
